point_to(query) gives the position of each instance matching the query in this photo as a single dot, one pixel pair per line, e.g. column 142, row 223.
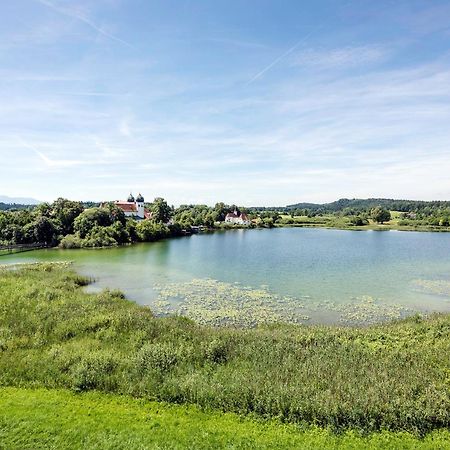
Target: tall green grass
column 387, row 377
column 43, row 419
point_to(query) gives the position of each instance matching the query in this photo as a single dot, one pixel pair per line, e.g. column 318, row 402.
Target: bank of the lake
column 385, row 377
column 343, row 223
column 300, row 275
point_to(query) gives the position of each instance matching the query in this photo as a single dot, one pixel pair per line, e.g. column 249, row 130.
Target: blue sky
column 248, row 102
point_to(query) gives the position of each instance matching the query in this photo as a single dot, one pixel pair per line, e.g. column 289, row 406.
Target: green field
column 343, row 222
column 41, row 419
column 381, row 379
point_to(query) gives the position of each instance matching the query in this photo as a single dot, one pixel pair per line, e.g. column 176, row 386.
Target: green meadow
column 41, row 419
column 343, row 222
column 81, row 370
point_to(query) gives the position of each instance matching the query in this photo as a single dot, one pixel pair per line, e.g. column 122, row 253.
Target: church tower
column 140, row 206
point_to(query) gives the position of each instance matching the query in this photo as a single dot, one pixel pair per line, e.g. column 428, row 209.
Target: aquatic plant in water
column 366, row 310
column 218, row 303
column 437, row 287
column 213, row 302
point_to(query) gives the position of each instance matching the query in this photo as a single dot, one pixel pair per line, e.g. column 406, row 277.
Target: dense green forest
column 72, row 224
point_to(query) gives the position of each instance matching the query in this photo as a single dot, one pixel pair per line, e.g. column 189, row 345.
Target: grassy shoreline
column 370, row 227
column 391, row 377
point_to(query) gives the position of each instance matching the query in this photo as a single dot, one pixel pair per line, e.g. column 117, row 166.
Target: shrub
column 100, row 237
column 71, row 241
column 358, row 221
column 159, row 357
column 148, row 230
column 93, row 371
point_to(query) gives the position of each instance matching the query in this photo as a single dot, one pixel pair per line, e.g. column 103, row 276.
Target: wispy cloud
column 36, row 77
column 91, row 94
column 280, row 58
column 238, row 43
column 75, row 14
column 341, row 57
column 51, row 163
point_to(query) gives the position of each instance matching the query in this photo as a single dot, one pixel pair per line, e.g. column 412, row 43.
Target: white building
column 134, row 207
column 237, row 218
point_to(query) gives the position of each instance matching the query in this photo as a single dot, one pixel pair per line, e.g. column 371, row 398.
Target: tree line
column 72, row 224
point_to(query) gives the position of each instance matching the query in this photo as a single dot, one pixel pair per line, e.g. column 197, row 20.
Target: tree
column 148, row 230
column 12, row 233
column 42, row 230
column 161, row 211
column 43, row 209
column 221, row 211
column 380, row 215
column 358, row 221
column 116, row 214
column 91, row 218
column 65, row 212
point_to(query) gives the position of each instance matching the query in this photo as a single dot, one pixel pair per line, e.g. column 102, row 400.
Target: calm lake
column 244, row 277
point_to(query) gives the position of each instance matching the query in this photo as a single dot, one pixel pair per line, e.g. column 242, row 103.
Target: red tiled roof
column 126, row 206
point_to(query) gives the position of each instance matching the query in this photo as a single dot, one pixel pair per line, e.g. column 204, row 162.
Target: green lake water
column 244, row 277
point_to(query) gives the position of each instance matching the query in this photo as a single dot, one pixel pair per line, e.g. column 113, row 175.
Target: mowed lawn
column 61, row 419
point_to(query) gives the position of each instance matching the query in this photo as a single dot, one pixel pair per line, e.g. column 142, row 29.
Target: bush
column 160, row 357
column 100, row 237
column 94, row 372
column 148, row 230
column 71, row 241
column 358, row 221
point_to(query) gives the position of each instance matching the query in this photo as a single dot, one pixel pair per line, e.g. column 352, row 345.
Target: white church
column 237, row 218
column 134, row 207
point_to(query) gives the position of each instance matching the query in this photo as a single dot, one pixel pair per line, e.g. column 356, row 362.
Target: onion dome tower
column 140, row 206
column 130, row 198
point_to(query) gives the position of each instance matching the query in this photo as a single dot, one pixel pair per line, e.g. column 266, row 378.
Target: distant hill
column 7, row 203
column 18, row 200
column 357, row 203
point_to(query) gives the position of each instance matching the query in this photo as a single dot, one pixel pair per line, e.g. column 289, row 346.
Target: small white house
column 134, row 207
column 237, row 218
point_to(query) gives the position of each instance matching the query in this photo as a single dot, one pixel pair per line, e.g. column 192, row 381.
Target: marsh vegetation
column 384, row 377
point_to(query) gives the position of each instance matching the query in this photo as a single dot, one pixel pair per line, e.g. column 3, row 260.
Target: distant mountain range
column 18, row 200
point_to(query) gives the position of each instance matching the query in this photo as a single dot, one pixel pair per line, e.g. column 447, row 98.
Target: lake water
column 244, row 277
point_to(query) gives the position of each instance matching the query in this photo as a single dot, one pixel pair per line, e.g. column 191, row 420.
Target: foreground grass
column 389, row 377
column 41, row 419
